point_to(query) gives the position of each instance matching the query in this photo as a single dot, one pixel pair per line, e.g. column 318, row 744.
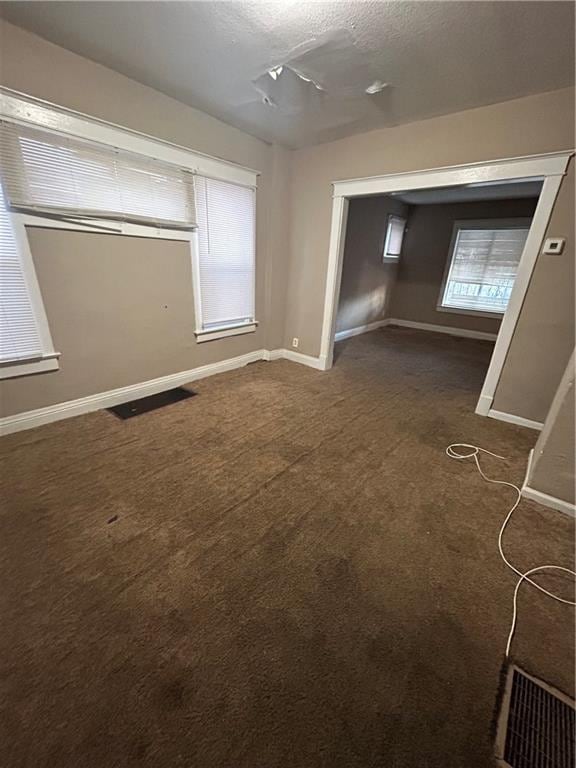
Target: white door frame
column 550, row 168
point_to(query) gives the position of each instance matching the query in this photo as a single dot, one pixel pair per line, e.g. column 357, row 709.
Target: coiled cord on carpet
column 462, row 451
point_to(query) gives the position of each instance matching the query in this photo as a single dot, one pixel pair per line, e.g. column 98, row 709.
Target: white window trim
column 48, row 361
column 210, row 334
column 102, row 227
column 226, row 330
column 23, row 109
column 516, row 223
column 390, row 257
column 26, row 110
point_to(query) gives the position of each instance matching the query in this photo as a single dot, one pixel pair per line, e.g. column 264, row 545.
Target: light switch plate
column 553, row 245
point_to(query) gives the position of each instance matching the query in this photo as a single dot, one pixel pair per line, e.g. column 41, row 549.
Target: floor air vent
column 151, row 403
column 536, row 724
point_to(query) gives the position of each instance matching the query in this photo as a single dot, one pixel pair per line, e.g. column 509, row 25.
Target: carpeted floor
column 284, row 571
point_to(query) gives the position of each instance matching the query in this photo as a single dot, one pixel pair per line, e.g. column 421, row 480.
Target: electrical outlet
column 295, row 342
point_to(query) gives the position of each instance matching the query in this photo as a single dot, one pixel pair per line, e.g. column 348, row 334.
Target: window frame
column 393, row 257
column 514, row 223
column 226, row 329
column 36, row 113
column 48, row 361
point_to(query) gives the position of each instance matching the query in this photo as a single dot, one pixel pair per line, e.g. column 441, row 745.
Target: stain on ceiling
column 303, row 73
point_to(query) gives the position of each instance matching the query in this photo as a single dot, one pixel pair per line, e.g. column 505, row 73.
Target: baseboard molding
column 552, row 502
column 360, row 329
column 70, row 408
column 297, row 357
column 549, row 501
column 512, row 419
column 40, row 416
column 483, row 405
column 272, row 354
column 447, row 329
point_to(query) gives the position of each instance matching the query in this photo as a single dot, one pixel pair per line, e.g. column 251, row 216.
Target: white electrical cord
column 454, row 451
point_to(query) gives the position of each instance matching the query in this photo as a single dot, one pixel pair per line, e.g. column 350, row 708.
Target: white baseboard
column 66, row 410
column 361, row 329
column 552, row 502
column 484, row 404
column 549, row 501
column 448, row 329
column 70, row 408
column 512, row 419
column 297, row 357
column 272, row 354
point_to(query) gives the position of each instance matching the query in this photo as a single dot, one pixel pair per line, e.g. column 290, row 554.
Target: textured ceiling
column 471, row 193
column 417, row 59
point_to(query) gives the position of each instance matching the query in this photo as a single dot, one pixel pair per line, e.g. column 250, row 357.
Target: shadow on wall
column 367, row 281
column 409, row 289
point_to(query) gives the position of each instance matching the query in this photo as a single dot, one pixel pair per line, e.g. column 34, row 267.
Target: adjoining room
column 287, row 384
column 439, row 260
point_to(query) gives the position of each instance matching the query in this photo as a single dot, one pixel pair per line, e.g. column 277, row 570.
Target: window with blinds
column 483, row 265
column 19, row 335
column 58, row 175
column 394, row 237
column 226, row 253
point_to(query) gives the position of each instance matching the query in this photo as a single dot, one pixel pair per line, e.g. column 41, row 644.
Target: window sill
column 29, row 367
column 472, row 312
column 224, row 331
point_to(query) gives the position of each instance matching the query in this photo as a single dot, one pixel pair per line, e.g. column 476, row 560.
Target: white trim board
column 66, row 410
column 360, row 329
column 543, row 498
column 549, row 501
column 97, row 402
column 549, row 167
column 447, row 329
column 503, row 169
column 18, row 107
column 512, row 419
column 297, row 357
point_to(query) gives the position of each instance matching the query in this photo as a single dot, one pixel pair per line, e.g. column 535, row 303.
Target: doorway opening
column 480, row 292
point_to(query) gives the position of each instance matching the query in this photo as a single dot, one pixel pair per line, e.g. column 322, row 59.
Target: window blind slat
column 55, row 173
column 226, row 240
column 19, row 336
column 394, row 236
column 483, row 269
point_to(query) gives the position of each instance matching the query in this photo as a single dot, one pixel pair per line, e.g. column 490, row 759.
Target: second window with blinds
column 482, row 265
column 224, row 265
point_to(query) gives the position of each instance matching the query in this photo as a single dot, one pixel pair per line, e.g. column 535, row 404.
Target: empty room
column 287, row 384
column 440, row 260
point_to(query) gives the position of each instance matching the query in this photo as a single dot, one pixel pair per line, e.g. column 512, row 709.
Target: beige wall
column 36, row 67
column 531, row 125
column 121, row 312
column 425, row 252
column 544, row 338
column 552, row 470
column 367, row 281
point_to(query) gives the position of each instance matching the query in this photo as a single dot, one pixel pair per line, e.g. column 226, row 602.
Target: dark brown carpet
column 284, row 571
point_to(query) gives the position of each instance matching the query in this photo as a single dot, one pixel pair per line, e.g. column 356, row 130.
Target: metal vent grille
column 539, row 725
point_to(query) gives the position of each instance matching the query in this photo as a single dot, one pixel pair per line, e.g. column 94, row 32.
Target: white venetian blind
column 483, row 268
column 19, row 337
column 60, row 175
column 394, row 236
column 226, row 238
